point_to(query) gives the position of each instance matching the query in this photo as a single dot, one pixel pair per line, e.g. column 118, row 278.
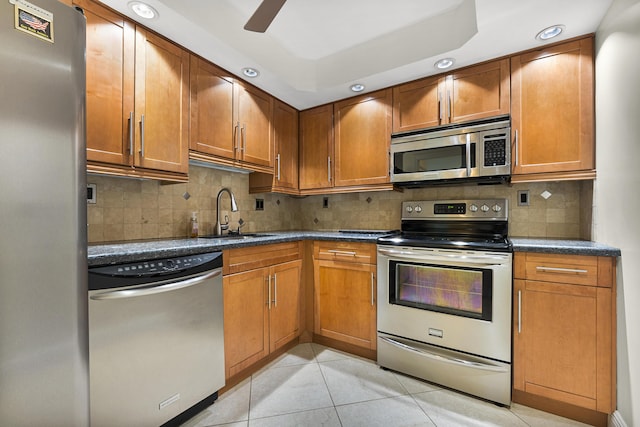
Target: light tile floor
column 313, row 385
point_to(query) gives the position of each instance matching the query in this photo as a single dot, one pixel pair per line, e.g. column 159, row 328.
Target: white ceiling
column 315, row 49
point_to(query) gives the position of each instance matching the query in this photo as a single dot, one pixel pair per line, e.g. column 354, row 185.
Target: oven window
column 433, row 159
column 460, row 291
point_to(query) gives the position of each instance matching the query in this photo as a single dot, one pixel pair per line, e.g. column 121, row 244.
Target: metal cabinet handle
column 142, row 136
column 236, row 137
column 561, row 270
column 131, row 133
column 156, row 288
column 278, row 160
column 275, row 290
column 449, row 104
column 243, row 133
column 444, row 358
column 519, row 311
column 343, row 253
column 516, row 146
column 329, row 168
column 269, row 292
column 440, row 112
column 373, row 281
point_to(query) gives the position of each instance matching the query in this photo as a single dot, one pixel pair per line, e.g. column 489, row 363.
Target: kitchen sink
column 236, row 236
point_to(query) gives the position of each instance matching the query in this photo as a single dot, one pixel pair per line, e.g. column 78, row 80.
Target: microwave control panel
column 495, row 151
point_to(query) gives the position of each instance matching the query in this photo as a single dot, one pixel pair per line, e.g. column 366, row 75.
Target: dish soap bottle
column 193, row 226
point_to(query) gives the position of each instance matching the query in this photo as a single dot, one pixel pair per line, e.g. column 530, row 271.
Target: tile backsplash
column 130, row 209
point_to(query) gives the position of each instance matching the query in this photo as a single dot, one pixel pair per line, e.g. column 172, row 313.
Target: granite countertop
column 112, row 253
column 560, row 246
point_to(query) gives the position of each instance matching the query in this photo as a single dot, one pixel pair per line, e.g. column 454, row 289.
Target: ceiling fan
column 264, row 14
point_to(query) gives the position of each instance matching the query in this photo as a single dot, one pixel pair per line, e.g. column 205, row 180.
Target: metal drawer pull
column 445, row 359
column 156, row 288
column 344, row 253
column 562, row 270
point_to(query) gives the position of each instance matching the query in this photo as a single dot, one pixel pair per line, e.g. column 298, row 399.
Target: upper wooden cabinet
column 230, row 121
column 345, row 146
column 362, row 127
column 470, row 93
column 552, row 107
column 284, row 178
column 137, row 122
column 211, row 109
column 316, row 148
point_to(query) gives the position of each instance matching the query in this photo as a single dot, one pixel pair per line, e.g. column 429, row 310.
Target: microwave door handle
column 468, row 154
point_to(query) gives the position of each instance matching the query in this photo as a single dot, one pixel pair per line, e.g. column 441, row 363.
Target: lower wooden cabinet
column 261, row 304
column 564, row 333
column 345, row 292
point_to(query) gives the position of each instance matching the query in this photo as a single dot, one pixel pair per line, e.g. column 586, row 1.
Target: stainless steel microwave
column 479, row 151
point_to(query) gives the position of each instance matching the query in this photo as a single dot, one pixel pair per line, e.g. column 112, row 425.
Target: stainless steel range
column 444, row 296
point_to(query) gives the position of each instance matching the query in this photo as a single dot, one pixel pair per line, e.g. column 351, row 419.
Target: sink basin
column 236, row 236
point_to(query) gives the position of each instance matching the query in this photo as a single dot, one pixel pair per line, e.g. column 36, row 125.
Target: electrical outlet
column 325, row 202
column 92, row 193
column 259, row 204
column 523, row 198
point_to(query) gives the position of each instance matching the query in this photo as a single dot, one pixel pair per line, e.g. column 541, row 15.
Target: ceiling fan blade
column 264, row 14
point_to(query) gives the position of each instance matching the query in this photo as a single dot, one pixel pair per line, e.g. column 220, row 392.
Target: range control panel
column 478, row 209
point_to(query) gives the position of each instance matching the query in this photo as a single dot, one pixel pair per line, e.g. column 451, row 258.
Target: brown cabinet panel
column 552, row 106
column 564, row 333
column 316, row 148
column 284, row 315
column 253, row 135
column 211, row 128
column 162, row 104
column 362, row 138
column 110, row 70
column 417, row 105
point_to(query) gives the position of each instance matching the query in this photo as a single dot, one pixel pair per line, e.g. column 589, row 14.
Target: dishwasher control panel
column 144, row 271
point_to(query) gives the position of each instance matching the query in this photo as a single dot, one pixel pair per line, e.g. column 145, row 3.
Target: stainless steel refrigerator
column 43, row 267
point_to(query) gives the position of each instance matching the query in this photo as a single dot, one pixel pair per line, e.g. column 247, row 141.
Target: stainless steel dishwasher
column 156, row 346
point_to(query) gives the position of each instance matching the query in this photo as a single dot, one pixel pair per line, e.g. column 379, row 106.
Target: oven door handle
column 156, row 288
column 445, row 359
column 485, row 259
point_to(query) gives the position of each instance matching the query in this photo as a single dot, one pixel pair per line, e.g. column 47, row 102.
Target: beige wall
column 129, row 209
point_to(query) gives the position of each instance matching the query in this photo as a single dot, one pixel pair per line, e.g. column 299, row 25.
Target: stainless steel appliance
column 156, row 339
column 478, row 151
column 444, row 296
column 43, row 254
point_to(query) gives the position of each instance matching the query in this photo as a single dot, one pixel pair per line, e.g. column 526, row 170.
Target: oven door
column 456, row 299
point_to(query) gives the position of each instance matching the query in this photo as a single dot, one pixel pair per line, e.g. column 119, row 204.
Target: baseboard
column 616, row 420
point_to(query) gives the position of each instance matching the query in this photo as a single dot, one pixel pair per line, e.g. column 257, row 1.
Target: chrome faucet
column 234, row 207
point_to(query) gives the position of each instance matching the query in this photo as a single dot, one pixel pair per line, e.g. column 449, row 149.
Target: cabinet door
column 362, row 138
column 284, row 315
column 110, row 67
column 552, row 109
column 246, row 334
column 561, row 342
column 285, row 128
column 478, row 92
column 316, row 148
column 417, row 105
column 162, row 104
column 253, row 135
column 345, row 302
column 211, row 128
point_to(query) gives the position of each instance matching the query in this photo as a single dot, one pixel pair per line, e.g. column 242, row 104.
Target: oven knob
column 473, row 208
column 409, row 209
column 497, row 208
column 484, row 208
column 418, row 209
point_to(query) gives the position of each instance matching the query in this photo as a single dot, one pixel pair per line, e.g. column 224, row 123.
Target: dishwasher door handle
column 156, row 289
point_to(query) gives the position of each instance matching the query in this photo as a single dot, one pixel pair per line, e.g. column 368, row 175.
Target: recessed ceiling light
column 143, row 10
column 444, row 63
column 357, row 87
column 550, row 32
column 250, row 72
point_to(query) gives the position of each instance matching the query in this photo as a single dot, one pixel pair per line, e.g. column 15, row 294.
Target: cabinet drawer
column 249, row 258
column 363, row 253
column 573, row 269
